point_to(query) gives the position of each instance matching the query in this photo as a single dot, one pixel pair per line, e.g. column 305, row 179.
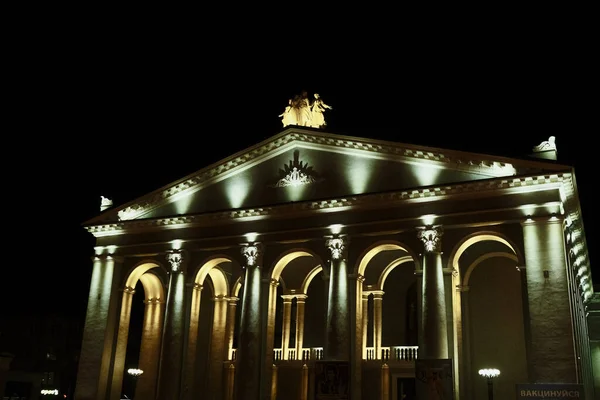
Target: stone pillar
column 300, row 303
column 218, row 348
column 192, row 345
column 365, row 322
column 121, row 344
column 231, row 312
column 377, row 322
column 385, row 382
column 145, row 387
column 171, row 360
column 434, row 328
column 466, row 370
column 304, row 384
column 247, row 382
column 93, row 377
column 270, row 301
column 356, row 282
column 229, row 386
column 285, row 330
column 552, row 355
column 337, row 328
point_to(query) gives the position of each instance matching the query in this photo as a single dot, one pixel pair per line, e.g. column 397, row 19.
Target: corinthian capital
column 337, row 246
column 251, row 252
column 175, row 259
column 431, row 237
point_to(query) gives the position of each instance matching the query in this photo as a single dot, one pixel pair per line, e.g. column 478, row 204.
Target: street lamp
column 490, row 374
column 135, row 373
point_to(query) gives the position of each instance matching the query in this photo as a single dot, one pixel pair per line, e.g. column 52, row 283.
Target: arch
column 287, row 258
column 378, row 247
column 153, row 288
column 389, row 269
column 137, row 271
column 308, row 279
column 235, row 290
column 483, row 258
column 477, row 237
column 217, row 276
column 453, row 262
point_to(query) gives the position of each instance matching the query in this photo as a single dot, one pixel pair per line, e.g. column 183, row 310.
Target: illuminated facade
column 314, row 263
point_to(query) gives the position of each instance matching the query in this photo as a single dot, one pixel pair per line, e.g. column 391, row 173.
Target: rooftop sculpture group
column 300, row 111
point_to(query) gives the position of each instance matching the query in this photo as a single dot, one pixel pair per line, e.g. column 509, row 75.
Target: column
column 100, row 329
column 365, row 322
column 121, row 344
column 145, row 387
column 285, row 331
column 434, row 329
column 218, row 347
column 231, row 312
column 247, row 380
column 552, row 356
column 466, row 370
column 192, row 345
column 337, row 328
column 169, row 385
column 377, row 323
column 300, row 303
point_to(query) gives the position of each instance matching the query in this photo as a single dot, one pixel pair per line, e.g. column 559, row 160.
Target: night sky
column 122, row 121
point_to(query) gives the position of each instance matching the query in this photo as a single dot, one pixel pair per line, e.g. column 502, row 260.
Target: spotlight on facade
column 490, row 374
column 135, row 372
column 336, row 229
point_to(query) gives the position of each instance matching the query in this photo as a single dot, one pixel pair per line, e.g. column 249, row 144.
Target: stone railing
column 308, row 354
column 394, row 353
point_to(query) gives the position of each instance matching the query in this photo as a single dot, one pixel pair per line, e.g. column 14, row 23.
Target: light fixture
column 490, row 374
column 135, row 372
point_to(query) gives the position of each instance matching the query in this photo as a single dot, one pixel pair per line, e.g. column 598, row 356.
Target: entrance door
column 406, row 389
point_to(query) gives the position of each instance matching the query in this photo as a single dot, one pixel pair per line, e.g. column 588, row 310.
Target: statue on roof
column 546, row 145
column 301, row 112
column 105, row 203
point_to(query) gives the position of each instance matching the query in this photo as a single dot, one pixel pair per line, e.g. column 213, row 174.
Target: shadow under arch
column 154, row 302
column 219, row 349
column 376, row 248
column 480, row 259
column 389, row 268
column 453, row 262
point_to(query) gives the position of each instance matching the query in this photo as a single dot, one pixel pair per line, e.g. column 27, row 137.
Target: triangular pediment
column 301, row 165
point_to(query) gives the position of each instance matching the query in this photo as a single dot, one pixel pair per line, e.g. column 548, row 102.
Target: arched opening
column 212, row 323
column 378, row 267
column 484, row 276
column 139, row 332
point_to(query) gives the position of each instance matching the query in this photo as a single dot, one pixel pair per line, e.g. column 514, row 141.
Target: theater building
column 319, row 266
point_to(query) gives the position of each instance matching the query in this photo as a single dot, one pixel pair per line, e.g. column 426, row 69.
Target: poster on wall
column 434, row 379
column 332, row 380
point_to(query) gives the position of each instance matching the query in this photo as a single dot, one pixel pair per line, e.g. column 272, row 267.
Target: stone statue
column 301, row 112
column 105, row 203
column 317, row 119
column 546, row 145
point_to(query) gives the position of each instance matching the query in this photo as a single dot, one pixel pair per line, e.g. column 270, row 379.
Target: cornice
column 479, row 163
column 330, row 205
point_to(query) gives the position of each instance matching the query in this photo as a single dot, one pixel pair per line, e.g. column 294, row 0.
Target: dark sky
column 123, row 119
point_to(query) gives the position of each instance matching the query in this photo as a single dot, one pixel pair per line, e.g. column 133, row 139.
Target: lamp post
column 135, row 374
column 490, row 374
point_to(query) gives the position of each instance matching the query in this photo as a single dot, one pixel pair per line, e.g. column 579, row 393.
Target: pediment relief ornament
column 297, row 173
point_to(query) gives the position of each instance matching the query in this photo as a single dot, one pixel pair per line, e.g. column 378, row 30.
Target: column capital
column 287, row 298
column 220, row 297
column 377, row 294
column 233, row 300
column 107, row 257
column 175, row 259
column 462, row 288
column 337, row 245
column 252, row 252
column 301, row 298
column 431, row 236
